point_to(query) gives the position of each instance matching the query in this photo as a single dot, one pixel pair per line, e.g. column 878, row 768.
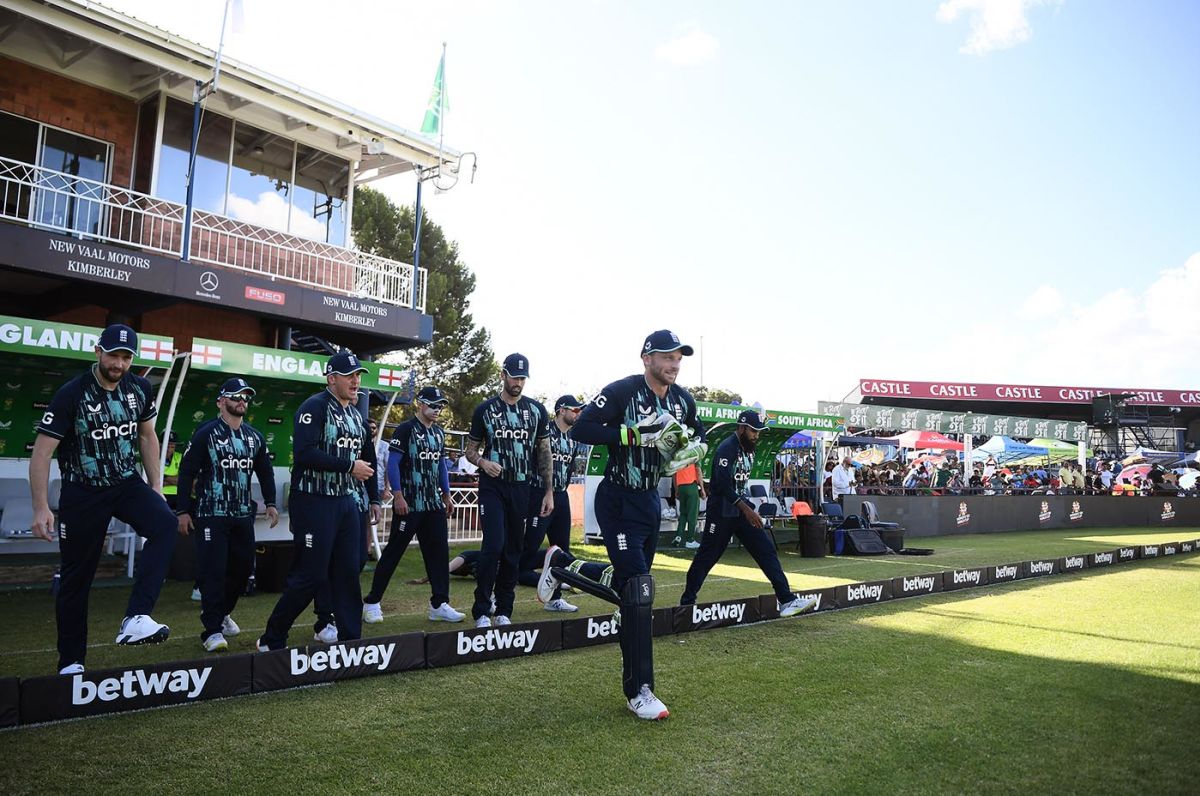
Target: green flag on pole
column 438, row 101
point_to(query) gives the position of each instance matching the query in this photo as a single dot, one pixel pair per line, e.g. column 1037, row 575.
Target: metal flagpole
column 200, row 92
column 424, row 174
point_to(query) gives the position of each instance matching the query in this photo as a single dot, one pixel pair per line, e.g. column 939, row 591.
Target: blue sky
column 980, row 190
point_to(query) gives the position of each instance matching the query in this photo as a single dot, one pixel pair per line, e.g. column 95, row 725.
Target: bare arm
column 545, row 464
column 473, row 450
column 39, row 485
column 148, row 444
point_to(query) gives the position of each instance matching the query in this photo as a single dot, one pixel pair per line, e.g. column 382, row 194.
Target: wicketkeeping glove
column 651, row 430
column 691, row 453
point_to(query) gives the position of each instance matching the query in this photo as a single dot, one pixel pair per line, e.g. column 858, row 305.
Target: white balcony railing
column 62, row 202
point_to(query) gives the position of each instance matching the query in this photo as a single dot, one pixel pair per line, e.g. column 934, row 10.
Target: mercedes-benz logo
column 209, row 281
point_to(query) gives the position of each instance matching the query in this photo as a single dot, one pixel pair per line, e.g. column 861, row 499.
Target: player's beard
column 747, row 445
column 570, row 418
column 664, row 374
column 237, row 408
column 513, row 390
column 113, row 373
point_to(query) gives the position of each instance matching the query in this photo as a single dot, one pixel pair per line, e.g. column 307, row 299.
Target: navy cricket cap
column 751, row 419
column 235, row 386
column 567, row 402
column 432, row 396
column 516, row 366
column 663, row 341
column 344, row 363
column 118, row 337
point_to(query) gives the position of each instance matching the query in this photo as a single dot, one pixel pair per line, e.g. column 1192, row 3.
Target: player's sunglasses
column 238, row 398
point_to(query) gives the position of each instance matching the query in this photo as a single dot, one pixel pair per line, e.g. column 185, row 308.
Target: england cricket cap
column 118, row 337
column 663, row 341
column 567, row 402
column 432, row 396
column 516, row 366
column 751, row 419
column 344, row 363
column 235, row 386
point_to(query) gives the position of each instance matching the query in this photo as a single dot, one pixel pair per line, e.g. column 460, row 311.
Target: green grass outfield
column 1073, row 684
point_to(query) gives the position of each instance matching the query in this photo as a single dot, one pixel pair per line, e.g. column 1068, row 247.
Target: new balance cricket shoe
column 142, row 629
column 647, row 706
column 561, row 606
column 547, row 583
column 72, row 668
column 796, row 606
column 372, row 613
column 503, row 620
column 229, row 627
column 444, row 613
column 195, row 595
column 483, row 621
column 215, row 643
column 327, row 635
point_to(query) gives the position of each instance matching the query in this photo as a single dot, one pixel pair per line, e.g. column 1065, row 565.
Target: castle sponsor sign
column 1021, row 393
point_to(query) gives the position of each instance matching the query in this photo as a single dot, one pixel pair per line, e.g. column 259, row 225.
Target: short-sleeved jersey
column 510, row 435
column 327, row 438
column 98, row 428
column 421, row 451
column 217, row 467
column 626, row 403
column 731, row 475
column 563, row 452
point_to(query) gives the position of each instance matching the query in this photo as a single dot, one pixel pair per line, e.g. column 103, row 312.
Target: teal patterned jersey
column 326, row 441
column 217, row 467
column 563, row 453
column 418, row 451
column 98, row 428
column 510, row 435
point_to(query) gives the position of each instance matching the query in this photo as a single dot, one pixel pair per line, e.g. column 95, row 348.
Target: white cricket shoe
column 195, row 595
column 215, row 643
column 142, row 629
column 647, row 706
column 328, row 635
column 796, row 606
column 444, row 613
column 692, row 545
column 483, row 621
column 503, row 620
column 547, row 583
column 72, row 668
column 372, row 613
column 561, row 606
column 260, row 647
column 229, row 627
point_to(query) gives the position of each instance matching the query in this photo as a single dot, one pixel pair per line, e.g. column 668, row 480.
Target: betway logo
column 966, row 576
column 1168, row 550
column 1187, row 547
column 718, row 611
column 110, row 431
column 1041, row 567
column 1149, row 552
column 137, row 683
column 918, row 583
column 602, row 629
column 864, row 592
column 497, row 640
column 1127, row 553
column 1073, row 562
column 342, row 657
column 1103, row 558
column 1001, row 573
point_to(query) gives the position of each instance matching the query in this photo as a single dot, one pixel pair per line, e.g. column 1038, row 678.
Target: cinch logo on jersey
column 137, row 683
column 497, row 640
column 341, row 657
column 237, row 463
column 351, row 443
column 429, row 456
column 1073, row 562
column 1041, row 567
column 864, row 592
column 602, row 629
column 918, row 583
column 512, row 433
column 111, row 431
column 718, row 612
column 966, row 576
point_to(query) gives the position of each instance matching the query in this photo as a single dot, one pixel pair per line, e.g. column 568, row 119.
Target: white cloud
column 688, row 47
column 1045, row 302
column 995, row 24
column 271, row 210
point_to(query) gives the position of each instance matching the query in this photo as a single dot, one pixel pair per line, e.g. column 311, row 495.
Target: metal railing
column 465, row 524
column 74, row 205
